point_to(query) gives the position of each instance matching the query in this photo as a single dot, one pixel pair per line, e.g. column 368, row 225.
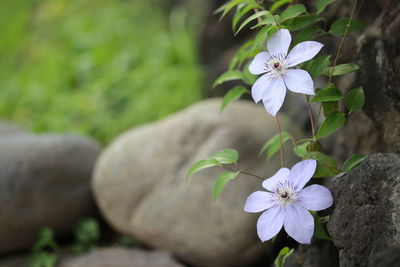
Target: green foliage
column 222, row 181
column 226, row 156
column 355, row 99
column 327, row 95
column 332, row 123
column 202, row 164
column 353, row 162
column 272, row 145
column 87, row 234
column 232, row 95
column 316, row 66
column 340, row 69
column 283, row 254
column 44, row 250
column 301, row 149
column 229, row 75
column 302, row 22
column 309, row 34
column 292, row 12
column 339, row 26
column 319, row 230
column 241, row 11
column 326, row 165
column 265, row 16
column 322, row 4
column 91, row 67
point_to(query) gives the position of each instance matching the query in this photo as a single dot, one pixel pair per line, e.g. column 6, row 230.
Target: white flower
column 275, row 64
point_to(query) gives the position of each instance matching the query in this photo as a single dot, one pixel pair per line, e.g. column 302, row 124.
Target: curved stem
column 278, row 126
column 311, row 117
column 342, row 41
column 244, row 172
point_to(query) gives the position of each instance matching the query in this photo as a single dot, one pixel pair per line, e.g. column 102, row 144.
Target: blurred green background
column 94, row 67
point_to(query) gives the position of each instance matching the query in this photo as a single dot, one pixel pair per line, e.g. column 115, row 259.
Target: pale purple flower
column 286, row 203
column 275, row 66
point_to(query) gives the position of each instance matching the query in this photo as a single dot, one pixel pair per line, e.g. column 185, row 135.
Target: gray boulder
column 44, row 181
column 139, row 183
column 366, row 216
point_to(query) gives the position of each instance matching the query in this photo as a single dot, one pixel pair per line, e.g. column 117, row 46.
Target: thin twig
column 278, row 126
column 342, row 41
column 311, row 116
column 244, row 172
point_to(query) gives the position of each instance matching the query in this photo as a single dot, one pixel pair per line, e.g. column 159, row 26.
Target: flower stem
column 244, row 172
column 278, row 126
column 343, row 38
column 311, row 117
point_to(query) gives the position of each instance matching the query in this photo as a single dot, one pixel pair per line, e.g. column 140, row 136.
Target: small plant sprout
column 286, row 203
column 275, row 66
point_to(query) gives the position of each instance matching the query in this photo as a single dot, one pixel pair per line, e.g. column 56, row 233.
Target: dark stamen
column 276, row 65
column 284, row 195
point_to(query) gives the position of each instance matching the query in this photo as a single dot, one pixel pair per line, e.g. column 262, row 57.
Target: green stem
column 278, row 126
column 244, row 172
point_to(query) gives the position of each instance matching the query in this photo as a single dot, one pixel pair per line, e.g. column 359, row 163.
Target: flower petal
column 257, row 66
column 299, row 81
column 270, row 223
column 279, row 176
column 259, row 201
column 299, row 223
column 315, row 197
column 279, row 42
column 302, row 52
column 302, row 172
column 274, row 96
column 260, row 87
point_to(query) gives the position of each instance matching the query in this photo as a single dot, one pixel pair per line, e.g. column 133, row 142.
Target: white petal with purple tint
column 257, row 66
column 315, row 197
column 270, row 223
column 259, row 201
column 299, row 223
column 302, row 52
column 299, row 81
column 279, row 42
column 274, row 96
column 302, row 172
column 259, row 87
column 279, row 176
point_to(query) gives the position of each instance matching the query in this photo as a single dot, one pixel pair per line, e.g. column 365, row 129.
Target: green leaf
column 341, row 69
column 243, row 10
column 230, row 75
column 322, row 4
column 201, row 164
column 249, row 77
column 306, row 34
column 327, row 95
column 326, row 166
column 232, row 95
column 226, row 156
column 319, row 230
column 301, row 22
column 355, row 99
column 259, row 14
column 353, row 162
column 316, row 66
column 281, row 258
column 273, row 144
column 278, row 4
column 339, row 26
column 332, row 123
column 330, row 107
column 222, row 181
column 292, row 12
column 244, row 52
column 225, row 8
column 262, row 36
column 301, row 150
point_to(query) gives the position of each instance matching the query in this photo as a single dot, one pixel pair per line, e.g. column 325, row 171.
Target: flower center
column 276, row 66
column 286, row 193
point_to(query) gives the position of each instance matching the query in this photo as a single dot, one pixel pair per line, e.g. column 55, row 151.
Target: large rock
column 120, row 257
column 366, row 217
column 139, row 183
column 44, row 181
column 378, row 57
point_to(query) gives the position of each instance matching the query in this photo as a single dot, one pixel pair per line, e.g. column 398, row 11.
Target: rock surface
column 366, row 216
column 139, row 183
column 378, row 56
column 120, row 257
column 44, row 181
